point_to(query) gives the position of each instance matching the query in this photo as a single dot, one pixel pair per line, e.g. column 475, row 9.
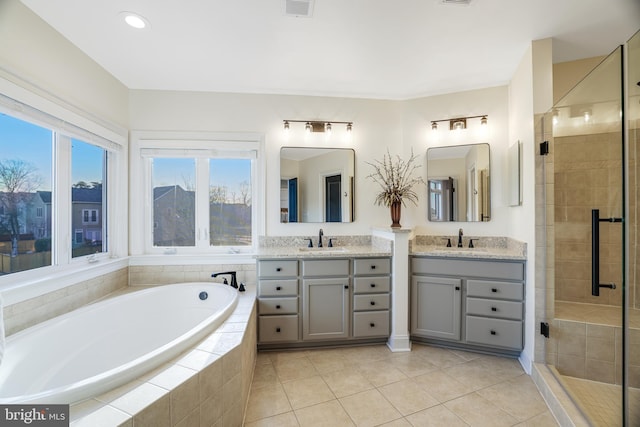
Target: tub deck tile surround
column 206, row 386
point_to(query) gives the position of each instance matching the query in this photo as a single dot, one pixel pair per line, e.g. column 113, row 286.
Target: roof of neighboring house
column 158, row 192
column 45, row 196
column 87, row 195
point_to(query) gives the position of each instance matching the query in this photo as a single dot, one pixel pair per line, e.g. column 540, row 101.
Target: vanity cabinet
column 371, row 297
column 311, row 301
column 278, row 319
column 325, row 299
column 468, row 302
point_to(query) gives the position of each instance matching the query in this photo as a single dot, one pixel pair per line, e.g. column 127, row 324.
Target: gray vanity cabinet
column 468, row 302
column 371, row 297
column 325, row 299
column 278, row 301
column 435, row 307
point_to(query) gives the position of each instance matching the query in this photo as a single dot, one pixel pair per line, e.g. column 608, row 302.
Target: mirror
column 316, row 184
column 459, row 183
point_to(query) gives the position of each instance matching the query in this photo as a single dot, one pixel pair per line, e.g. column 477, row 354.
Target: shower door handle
column 595, row 252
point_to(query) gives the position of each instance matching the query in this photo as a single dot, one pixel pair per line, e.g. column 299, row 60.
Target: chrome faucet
column 460, row 238
column 320, row 234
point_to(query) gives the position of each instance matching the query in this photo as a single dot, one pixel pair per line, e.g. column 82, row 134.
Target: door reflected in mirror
column 459, row 183
column 316, row 184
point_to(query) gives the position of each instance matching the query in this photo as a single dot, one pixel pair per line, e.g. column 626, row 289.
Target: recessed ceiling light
column 135, row 20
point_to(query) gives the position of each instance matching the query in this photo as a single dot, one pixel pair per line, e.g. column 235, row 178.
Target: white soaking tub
column 103, row 345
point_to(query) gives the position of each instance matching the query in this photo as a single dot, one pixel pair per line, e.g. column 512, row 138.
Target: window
column 53, row 189
column 25, row 189
column 201, row 198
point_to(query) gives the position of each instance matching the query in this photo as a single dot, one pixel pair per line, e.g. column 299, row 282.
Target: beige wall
column 567, row 74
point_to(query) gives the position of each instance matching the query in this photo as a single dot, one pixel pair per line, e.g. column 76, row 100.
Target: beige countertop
column 472, row 253
column 324, row 252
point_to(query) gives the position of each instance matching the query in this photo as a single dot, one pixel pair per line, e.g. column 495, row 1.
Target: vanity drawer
column 469, row 268
column 498, row 290
column 277, row 328
column 494, row 308
column 325, row 267
column 363, row 266
column 494, row 332
column 278, row 288
column 278, row 306
column 371, row 302
column 278, row 268
column 370, row 285
column 371, row 324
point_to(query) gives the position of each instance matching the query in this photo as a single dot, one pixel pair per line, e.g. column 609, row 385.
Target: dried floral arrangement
column 395, row 177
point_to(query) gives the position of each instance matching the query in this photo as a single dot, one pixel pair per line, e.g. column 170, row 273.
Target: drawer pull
column 277, row 307
column 373, row 303
column 373, row 325
column 494, row 290
column 278, row 330
column 278, row 268
column 493, row 332
column 373, row 267
column 373, row 285
column 494, row 309
column 278, row 288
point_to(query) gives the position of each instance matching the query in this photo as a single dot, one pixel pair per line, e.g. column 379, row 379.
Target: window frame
column 202, row 146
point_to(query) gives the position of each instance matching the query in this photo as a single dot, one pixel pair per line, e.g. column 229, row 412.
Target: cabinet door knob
column 278, row 288
column 373, row 303
column 278, row 330
column 278, row 268
column 494, row 309
column 493, row 332
column 373, row 285
column 373, row 325
column 457, row 288
column 346, row 286
column 278, row 307
column 494, row 290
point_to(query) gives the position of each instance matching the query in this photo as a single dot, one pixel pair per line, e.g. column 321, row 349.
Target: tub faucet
column 460, row 238
column 234, row 281
column 320, row 234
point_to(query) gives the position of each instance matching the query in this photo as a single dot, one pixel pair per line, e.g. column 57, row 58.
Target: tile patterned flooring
column 371, row 386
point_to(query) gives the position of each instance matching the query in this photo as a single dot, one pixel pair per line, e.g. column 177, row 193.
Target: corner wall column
column 399, row 338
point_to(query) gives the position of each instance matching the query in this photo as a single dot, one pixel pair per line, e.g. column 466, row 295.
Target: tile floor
column 371, row 386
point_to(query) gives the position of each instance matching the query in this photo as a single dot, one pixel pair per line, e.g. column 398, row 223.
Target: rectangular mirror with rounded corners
column 317, row 184
column 459, row 183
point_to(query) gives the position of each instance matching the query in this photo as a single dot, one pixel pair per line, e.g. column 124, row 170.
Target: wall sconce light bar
column 459, row 123
column 317, row 126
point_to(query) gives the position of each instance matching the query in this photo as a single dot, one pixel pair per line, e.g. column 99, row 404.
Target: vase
column 395, row 214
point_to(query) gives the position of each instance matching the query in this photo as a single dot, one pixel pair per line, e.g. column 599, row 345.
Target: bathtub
column 103, row 345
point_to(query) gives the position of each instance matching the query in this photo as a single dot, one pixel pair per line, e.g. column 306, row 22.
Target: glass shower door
column 586, row 228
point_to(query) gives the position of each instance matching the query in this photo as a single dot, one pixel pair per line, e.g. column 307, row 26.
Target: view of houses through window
column 27, row 195
column 87, row 197
column 179, row 220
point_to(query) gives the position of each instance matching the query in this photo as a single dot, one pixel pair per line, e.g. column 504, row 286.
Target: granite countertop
column 472, row 253
column 324, row 252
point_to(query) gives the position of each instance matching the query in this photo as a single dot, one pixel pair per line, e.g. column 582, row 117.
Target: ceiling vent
column 298, row 8
column 456, row 2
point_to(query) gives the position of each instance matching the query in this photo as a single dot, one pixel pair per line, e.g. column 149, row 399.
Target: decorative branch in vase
column 395, row 176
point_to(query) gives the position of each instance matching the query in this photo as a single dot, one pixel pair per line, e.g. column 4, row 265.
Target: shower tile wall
column 587, row 176
column 35, row 310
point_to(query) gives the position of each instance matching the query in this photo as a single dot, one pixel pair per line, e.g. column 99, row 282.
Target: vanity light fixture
column 460, row 123
column 317, row 126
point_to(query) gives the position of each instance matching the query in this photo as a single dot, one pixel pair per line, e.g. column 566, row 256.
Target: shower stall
column 592, row 197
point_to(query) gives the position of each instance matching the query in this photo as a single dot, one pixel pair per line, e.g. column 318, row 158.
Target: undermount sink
column 323, row 250
column 461, row 251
